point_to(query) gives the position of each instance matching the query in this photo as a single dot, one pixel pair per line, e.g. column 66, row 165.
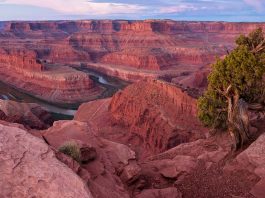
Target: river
column 63, row 111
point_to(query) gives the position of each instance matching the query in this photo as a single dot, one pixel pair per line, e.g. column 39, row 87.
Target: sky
column 188, row 10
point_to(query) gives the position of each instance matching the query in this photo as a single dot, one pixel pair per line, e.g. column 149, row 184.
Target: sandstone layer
column 157, row 112
column 115, row 161
column 58, row 84
column 143, row 142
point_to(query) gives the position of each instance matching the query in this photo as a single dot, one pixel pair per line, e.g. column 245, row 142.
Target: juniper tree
column 235, row 85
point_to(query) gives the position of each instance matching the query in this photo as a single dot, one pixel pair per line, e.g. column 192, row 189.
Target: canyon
column 42, row 58
column 135, row 84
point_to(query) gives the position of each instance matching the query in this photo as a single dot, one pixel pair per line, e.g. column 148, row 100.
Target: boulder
column 178, row 165
column 29, row 168
column 130, row 173
column 70, row 162
column 253, row 159
column 88, row 153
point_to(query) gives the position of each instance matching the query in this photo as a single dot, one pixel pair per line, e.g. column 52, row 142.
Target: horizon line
column 143, row 20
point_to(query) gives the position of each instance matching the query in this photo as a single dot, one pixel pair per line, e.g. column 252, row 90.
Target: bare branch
column 255, row 106
column 228, row 89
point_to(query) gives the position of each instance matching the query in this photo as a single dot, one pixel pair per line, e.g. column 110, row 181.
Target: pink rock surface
column 29, row 168
column 103, row 179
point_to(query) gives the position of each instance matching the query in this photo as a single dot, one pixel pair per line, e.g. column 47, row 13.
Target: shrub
column 71, row 149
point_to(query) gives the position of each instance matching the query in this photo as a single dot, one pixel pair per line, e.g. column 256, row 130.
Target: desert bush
column 71, row 149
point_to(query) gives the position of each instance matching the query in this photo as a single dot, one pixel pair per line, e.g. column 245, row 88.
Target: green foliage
column 71, row 149
column 252, row 40
column 208, row 112
column 243, row 69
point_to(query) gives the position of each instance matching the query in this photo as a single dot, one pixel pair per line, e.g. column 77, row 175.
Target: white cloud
column 177, row 9
column 259, row 5
column 79, row 7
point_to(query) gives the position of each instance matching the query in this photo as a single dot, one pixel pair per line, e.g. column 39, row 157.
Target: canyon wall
column 22, row 69
column 20, row 59
column 106, row 26
column 56, row 85
column 174, row 51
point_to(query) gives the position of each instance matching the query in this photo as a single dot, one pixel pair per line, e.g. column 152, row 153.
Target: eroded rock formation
column 157, row 112
column 31, row 115
column 151, row 115
column 20, row 59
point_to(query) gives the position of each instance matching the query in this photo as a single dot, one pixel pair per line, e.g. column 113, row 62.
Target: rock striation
column 157, row 112
column 21, row 68
column 132, row 50
column 20, row 59
column 60, row 84
column 152, row 116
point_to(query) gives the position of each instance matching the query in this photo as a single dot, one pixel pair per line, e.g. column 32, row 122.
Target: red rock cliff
column 20, row 59
column 161, row 114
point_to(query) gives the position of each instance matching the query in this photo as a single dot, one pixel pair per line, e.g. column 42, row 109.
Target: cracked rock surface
column 29, row 168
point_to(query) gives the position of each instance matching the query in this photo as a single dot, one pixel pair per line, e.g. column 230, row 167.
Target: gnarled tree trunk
column 238, row 121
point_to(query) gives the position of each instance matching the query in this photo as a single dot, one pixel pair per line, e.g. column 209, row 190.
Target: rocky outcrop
column 20, row 59
column 158, row 113
column 59, row 84
column 252, row 160
column 29, row 168
column 31, row 115
column 150, row 116
column 113, row 163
